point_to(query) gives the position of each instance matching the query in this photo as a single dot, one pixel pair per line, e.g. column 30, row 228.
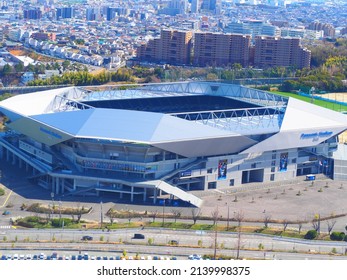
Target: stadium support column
column 53, row 183
column 62, row 185
column 155, row 196
column 132, row 194
column 13, row 159
column 144, row 194
column 57, row 183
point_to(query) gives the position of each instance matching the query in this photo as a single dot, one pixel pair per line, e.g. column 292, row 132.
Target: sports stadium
column 141, row 142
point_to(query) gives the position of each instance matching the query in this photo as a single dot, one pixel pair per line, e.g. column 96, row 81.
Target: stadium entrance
column 253, row 176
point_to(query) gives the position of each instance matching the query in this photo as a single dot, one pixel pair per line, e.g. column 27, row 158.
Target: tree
column 300, row 226
column 176, row 214
column 195, row 214
column 285, row 223
column 267, row 219
column 19, row 67
column 316, row 223
column 7, row 69
column 215, row 216
column 66, row 64
column 153, row 215
column 330, row 225
column 239, row 217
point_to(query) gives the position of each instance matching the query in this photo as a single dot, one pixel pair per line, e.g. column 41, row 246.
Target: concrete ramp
column 181, row 194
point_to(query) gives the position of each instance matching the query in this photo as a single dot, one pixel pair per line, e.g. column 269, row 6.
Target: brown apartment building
column 276, row 51
column 218, row 49
column 172, row 47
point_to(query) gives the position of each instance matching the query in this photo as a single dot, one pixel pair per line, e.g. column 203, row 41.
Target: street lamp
column 226, row 203
column 163, row 213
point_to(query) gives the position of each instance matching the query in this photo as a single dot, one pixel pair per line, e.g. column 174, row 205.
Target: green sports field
column 322, row 103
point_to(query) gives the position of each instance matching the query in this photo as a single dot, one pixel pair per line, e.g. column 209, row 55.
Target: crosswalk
column 5, row 227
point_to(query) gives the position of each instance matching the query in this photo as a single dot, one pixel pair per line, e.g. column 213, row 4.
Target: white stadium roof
column 52, row 117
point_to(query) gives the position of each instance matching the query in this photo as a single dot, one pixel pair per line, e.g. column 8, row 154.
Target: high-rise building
column 218, row 49
column 195, row 6
column 110, row 13
column 65, row 12
column 214, row 6
column 32, row 13
column 92, row 14
column 175, row 7
column 275, row 51
column 172, row 47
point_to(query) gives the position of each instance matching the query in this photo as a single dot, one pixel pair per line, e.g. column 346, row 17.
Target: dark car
column 87, row 238
column 138, row 236
column 173, row 242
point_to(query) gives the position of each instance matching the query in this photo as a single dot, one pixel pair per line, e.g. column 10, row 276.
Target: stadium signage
column 316, row 135
column 50, row 132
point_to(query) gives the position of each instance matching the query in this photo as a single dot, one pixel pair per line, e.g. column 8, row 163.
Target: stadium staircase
column 169, row 175
column 177, row 192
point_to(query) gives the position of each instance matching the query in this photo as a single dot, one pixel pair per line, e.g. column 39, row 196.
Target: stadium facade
column 138, row 142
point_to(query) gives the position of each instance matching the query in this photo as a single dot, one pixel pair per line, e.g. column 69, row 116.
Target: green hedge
column 311, row 234
column 337, row 236
column 2, row 191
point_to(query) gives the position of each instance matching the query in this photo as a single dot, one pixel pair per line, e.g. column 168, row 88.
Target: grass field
column 325, row 104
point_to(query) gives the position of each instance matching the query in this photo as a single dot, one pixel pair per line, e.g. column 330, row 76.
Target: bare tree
column 285, row 223
column 195, row 214
column 153, row 215
column 300, row 227
column 79, row 212
column 176, row 214
column 215, row 216
column 267, row 219
column 316, row 224
column 331, row 225
column 130, row 215
column 112, row 215
column 239, row 217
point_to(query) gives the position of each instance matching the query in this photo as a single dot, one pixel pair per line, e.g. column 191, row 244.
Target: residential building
column 172, row 47
column 329, row 30
column 217, row 49
column 276, row 51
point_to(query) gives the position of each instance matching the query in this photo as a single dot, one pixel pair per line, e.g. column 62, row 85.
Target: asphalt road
column 116, row 241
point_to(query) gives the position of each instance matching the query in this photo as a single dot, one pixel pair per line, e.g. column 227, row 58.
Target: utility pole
column 101, row 215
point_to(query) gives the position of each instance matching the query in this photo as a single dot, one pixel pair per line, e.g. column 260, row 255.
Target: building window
column 273, row 163
column 212, row 185
column 273, row 169
column 294, row 160
column 253, row 165
column 231, row 182
column 209, row 170
column 272, row 177
column 273, row 156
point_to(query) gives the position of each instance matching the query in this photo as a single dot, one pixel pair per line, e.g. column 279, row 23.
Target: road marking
column 7, row 198
column 4, row 227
